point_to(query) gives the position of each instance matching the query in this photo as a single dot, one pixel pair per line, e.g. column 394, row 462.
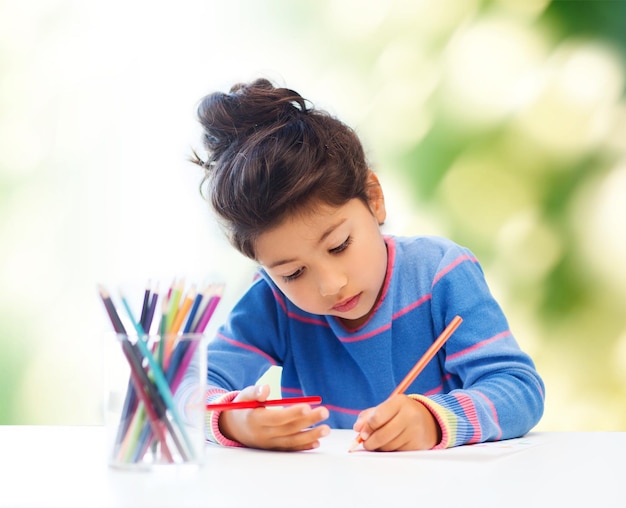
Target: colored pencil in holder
column 149, row 402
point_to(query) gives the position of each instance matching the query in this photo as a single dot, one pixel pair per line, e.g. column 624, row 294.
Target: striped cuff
column 212, row 418
column 442, row 415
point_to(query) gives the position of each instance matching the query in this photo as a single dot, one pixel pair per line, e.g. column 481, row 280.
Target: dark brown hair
column 271, row 155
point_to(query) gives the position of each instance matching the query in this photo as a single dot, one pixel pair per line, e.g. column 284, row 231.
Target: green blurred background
column 500, row 124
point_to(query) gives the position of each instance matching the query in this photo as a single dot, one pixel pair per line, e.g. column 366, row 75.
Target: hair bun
column 229, row 118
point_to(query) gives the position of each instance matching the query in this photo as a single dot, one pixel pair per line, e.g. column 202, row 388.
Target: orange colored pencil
column 419, row 366
column 176, row 316
column 182, row 311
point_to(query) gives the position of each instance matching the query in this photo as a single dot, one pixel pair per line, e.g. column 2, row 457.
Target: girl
column 345, row 310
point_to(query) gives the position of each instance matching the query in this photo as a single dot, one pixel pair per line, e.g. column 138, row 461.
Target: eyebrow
column 322, row 237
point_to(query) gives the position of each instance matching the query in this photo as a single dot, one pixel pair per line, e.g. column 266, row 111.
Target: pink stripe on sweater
column 454, row 264
column 297, row 391
column 479, row 345
column 309, row 320
column 434, row 391
column 412, row 306
column 342, row 409
column 439, row 388
column 366, row 335
column 493, row 412
column 467, row 404
column 248, row 347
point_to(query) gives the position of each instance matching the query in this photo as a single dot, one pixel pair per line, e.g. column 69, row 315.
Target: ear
column 376, row 197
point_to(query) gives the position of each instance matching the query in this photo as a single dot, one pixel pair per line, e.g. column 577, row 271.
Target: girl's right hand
column 289, row 428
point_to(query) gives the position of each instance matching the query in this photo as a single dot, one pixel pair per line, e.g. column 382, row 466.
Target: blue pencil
column 181, row 346
column 192, row 313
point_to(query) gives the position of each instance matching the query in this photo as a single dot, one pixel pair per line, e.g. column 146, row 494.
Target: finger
column 290, row 420
column 410, row 427
column 383, row 413
column 386, row 438
column 255, row 392
column 373, row 428
column 307, row 439
column 290, row 429
column 361, row 420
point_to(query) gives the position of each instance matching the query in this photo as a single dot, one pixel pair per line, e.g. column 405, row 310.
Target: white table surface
column 48, row 466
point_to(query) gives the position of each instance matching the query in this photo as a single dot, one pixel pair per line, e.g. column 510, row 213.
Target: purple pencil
column 208, row 312
column 193, row 345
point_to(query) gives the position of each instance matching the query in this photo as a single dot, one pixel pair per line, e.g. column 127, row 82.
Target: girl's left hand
column 398, row 424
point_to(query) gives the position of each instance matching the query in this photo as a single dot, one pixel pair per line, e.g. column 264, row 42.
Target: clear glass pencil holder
column 154, row 400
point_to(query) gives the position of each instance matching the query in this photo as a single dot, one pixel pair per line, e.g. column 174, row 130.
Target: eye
column 341, row 247
column 294, row 275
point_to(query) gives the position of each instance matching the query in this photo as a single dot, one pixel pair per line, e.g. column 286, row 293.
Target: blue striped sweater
column 480, row 386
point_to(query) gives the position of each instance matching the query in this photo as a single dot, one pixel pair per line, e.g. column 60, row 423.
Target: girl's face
column 330, row 260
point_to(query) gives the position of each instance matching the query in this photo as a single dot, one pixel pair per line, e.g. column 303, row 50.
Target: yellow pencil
column 182, row 311
column 174, row 299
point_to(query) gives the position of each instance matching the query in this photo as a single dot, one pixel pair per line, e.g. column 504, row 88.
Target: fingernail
column 364, row 435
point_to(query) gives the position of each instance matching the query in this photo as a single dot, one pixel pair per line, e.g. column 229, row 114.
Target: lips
column 348, row 304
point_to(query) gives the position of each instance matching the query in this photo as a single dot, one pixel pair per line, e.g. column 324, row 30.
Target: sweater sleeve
column 212, row 418
column 245, row 346
column 500, row 393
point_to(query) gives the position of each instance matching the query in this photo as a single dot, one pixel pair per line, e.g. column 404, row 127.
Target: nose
column 331, row 281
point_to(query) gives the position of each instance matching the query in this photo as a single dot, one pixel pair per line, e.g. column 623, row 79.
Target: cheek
column 374, row 264
column 300, row 294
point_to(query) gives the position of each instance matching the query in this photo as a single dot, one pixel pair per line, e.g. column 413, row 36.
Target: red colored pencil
column 421, row 363
column 252, row 404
